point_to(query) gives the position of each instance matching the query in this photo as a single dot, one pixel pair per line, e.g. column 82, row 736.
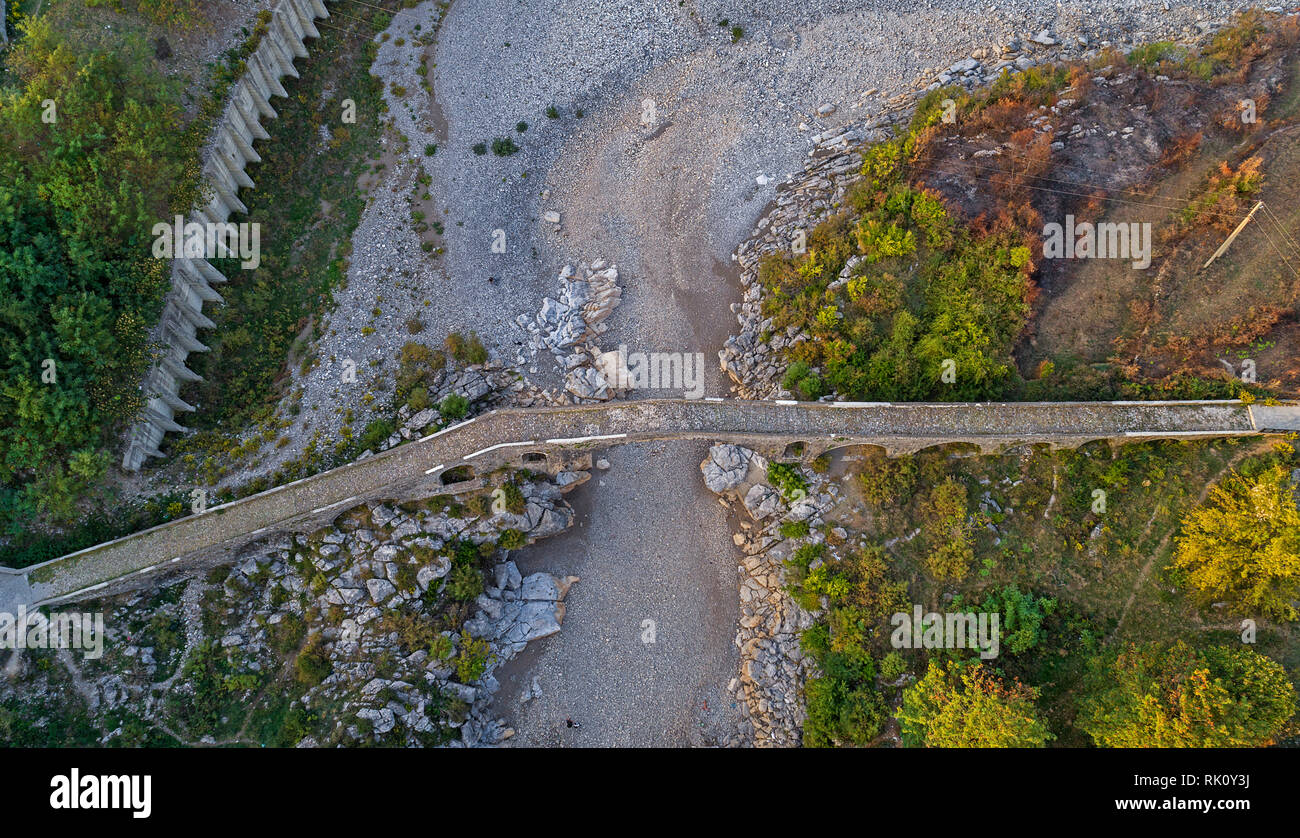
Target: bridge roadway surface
column 492, row 439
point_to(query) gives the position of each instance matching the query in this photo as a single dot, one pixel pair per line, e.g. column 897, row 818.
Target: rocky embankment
column 773, row 668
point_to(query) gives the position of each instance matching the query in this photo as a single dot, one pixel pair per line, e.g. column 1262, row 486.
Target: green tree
column 1173, row 696
column 968, row 705
column 1243, row 545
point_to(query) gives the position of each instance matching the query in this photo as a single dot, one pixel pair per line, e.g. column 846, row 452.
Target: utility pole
column 1258, row 206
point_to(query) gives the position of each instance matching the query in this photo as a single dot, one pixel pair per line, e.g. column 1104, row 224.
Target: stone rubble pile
column 568, row 328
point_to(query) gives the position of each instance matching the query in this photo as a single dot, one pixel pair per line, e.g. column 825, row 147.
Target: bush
column 887, row 481
column 788, row 480
column 472, row 658
column 467, row 350
column 795, row 529
column 313, row 664
column 454, row 407
column 418, row 366
column 504, row 147
column 465, row 582
column 479, row 148
column 515, row 501
column 892, row 667
column 945, row 511
column 375, row 434
column 512, row 539
column 552, row 112
column 418, row 400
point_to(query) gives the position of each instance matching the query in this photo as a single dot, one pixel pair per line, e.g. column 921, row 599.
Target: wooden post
column 1240, row 227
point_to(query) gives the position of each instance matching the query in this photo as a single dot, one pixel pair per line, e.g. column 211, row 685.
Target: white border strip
column 448, row 429
column 1211, row 433
column 499, row 445
column 573, row 440
column 332, row 505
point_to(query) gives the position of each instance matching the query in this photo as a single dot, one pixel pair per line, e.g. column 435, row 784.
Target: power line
column 999, row 173
column 993, row 172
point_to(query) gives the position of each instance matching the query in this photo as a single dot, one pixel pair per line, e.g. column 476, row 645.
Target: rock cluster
column 579, row 315
column 773, row 668
column 351, row 593
column 568, row 327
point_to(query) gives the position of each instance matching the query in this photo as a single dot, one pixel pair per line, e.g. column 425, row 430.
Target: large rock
column 726, row 467
column 587, row 383
column 380, row 590
column 762, row 501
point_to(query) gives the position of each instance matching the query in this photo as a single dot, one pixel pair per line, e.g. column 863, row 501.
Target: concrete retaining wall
column 229, row 150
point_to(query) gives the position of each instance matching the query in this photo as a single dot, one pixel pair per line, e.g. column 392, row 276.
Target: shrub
column 374, row 434
column 479, row 148
column 552, row 112
column 454, row 407
column 887, row 481
column 795, row 529
column 892, row 667
column 465, row 582
column 521, row 126
column 313, row 664
column 515, row 501
column 788, row 480
column 467, row 350
column 512, row 539
column 472, row 658
column 945, row 511
column 504, row 147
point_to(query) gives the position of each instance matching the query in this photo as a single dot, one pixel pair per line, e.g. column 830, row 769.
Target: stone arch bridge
column 456, row 458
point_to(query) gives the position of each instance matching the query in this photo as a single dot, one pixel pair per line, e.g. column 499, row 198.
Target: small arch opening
column 459, row 474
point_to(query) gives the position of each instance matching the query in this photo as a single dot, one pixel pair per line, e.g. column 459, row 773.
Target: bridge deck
column 490, row 438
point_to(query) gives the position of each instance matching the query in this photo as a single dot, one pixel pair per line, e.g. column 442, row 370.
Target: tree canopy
column 1174, row 696
column 968, row 705
column 1243, row 546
